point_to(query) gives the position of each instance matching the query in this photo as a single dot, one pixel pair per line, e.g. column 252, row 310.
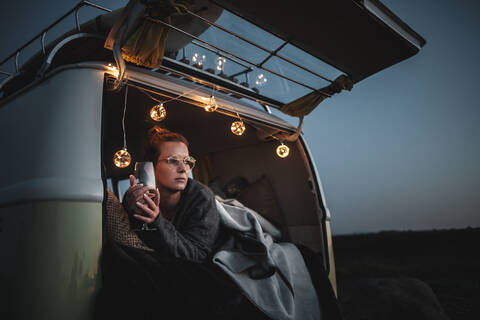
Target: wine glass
column 145, row 174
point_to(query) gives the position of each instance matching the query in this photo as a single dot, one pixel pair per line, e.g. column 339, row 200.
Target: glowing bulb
column 261, row 80
column 211, row 105
column 220, row 62
column 283, row 151
column 198, row 60
column 158, row 112
column 122, row 158
column 238, row 128
column 113, row 70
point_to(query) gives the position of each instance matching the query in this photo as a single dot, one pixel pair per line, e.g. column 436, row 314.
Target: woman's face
column 172, row 177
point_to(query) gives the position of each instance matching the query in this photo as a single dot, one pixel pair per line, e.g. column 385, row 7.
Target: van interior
column 246, row 167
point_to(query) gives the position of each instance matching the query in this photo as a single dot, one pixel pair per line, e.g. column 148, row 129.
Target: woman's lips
column 181, row 179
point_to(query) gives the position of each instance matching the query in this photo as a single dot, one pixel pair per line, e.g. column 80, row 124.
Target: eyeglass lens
column 189, row 161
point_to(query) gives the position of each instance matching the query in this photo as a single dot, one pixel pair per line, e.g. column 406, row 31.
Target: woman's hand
column 150, row 209
column 135, row 194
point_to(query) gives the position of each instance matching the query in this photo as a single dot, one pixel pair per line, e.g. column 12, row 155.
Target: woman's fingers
column 132, row 192
column 149, row 201
column 143, row 218
column 157, row 197
column 137, row 193
column 148, row 212
column 133, row 180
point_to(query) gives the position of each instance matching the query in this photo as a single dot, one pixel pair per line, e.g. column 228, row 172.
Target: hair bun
column 158, row 135
column 156, row 131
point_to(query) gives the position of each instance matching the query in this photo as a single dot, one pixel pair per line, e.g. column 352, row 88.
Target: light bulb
column 122, row 158
column 158, row 112
column 283, row 151
column 238, row 128
column 198, row 60
column 220, row 63
column 261, row 80
column 113, row 69
column 211, row 105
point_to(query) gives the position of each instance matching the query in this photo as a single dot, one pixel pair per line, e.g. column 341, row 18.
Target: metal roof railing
column 182, row 66
column 260, row 66
column 43, row 33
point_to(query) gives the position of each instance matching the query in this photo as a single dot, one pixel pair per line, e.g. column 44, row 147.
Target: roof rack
column 180, row 67
column 43, row 33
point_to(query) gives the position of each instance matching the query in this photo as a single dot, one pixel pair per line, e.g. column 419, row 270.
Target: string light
column 261, row 80
column 198, row 60
column 212, row 105
column 122, row 158
column 113, row 70
column 220, row 62
column 158, row 112
column 283, row 150
column 238, row 128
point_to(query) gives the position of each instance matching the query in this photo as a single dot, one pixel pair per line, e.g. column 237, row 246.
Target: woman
column 175, row 280
column 181, row 211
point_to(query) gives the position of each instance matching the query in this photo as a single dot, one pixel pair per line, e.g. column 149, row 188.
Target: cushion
column 117, row 226
column 216, row 187
column 260, row 197
column 235, row 186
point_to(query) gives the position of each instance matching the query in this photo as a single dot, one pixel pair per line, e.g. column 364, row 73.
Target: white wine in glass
column 145, row 174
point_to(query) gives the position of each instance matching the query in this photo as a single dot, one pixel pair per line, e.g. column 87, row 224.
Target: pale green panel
column 49, row 253
column 332, row 275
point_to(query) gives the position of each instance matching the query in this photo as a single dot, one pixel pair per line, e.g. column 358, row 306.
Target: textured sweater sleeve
column 194, row 238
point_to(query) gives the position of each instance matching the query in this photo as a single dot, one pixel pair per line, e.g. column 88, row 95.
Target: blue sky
column 398, row 152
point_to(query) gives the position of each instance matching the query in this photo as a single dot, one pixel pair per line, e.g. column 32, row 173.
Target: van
column 70, row 115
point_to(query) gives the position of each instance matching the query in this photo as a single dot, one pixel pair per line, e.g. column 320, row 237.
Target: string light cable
column 282, row 149
column 122, row 158
column 123, row 117
column 238, row 127
column 145, row 91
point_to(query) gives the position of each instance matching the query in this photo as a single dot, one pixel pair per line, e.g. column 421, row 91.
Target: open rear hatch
column 358, row 37
column 273, row 52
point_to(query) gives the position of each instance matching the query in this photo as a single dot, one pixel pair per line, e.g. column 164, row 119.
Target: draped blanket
column 273, row 276
column 250, row 277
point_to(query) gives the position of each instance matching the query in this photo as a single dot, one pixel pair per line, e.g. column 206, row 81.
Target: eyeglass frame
column 184, row 160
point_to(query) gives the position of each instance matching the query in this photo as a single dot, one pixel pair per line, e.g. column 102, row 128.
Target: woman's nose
column 182, row 167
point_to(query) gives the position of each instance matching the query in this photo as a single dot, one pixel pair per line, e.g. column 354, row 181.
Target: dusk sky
column 398, row 152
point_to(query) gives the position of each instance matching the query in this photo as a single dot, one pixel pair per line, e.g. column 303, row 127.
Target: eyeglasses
column 175, row 161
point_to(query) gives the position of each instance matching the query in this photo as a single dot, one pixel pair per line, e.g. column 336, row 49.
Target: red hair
column 156, row 136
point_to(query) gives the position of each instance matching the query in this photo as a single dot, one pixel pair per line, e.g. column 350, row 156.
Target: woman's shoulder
column 199, row 197
column 199, row 189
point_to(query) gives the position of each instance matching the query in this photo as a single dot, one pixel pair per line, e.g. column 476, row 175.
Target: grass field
column 447, row 260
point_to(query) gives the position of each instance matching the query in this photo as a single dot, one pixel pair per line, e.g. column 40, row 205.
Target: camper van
column 73, row 120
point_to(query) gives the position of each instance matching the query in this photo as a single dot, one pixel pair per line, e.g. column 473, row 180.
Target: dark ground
column 447, row 260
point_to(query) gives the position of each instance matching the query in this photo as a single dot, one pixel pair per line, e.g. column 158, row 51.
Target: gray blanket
column 273, row 276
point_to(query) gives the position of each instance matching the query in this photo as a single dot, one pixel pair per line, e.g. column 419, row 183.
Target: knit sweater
column 193, row 230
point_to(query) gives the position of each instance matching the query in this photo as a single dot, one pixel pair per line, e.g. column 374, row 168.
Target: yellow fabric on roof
column 306, row 104
column 146, row 45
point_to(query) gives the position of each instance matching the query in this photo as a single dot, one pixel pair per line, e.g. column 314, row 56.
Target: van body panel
column 50, row 252
column 54, row 132
column 332, row 275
